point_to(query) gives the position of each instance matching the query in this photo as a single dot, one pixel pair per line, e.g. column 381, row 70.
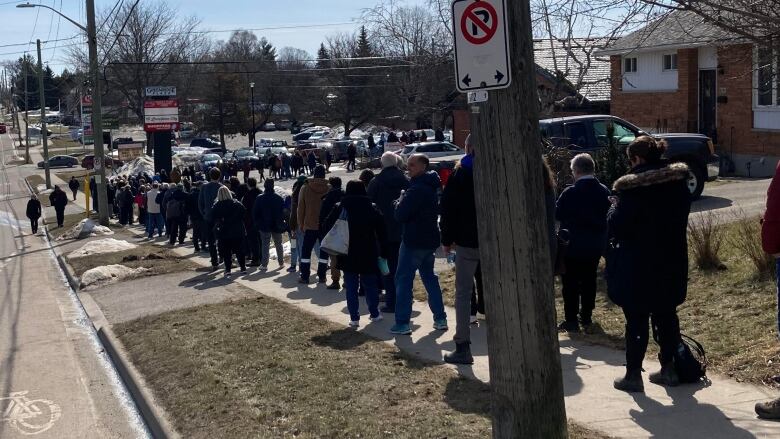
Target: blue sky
column 16, row 25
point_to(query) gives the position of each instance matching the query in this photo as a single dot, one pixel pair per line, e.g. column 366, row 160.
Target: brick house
column 682, row 74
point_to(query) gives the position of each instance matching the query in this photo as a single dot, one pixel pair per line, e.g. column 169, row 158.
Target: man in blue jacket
column 268, row 217
column 582, row 210
column 417, row 211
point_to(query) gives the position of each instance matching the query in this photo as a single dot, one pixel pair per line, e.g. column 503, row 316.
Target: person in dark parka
column 647, row 260
column 34, row 212
column 582, row 210
column 252, row 233
column 74, row 185
column 59, row 200
column 367, row 242
column 228, row 217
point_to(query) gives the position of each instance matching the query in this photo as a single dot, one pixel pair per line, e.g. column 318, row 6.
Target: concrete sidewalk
column 720, row 409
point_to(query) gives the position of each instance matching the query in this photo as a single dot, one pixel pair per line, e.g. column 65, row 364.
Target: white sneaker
column 354, row 323
column 378, row 318
column 473, row 320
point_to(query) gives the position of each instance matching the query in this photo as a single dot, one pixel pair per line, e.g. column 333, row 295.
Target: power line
column 110, row 13
column 42, row 42
column 59, row 19
column 118, row 34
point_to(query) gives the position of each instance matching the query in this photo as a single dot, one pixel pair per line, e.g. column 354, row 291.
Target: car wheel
column 695, row 180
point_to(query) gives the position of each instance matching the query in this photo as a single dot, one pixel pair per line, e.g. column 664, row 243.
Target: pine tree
column 364, row 46
column 323, row 57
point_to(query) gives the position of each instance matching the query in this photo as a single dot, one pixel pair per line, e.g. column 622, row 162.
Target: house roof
column 576, row 59
column 675, row 30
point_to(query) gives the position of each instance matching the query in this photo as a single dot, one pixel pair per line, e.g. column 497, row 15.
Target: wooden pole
column 525, row 368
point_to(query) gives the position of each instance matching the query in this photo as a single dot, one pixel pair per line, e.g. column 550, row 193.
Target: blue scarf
column 467, row 161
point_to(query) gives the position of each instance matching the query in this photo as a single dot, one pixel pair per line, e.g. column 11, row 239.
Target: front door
column 707, row 103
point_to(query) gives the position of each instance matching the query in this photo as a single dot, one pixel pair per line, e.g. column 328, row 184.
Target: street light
column 252, row 137
column 97, row 120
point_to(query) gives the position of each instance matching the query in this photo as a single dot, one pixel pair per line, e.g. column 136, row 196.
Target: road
column 55, row 380
column 730, row 199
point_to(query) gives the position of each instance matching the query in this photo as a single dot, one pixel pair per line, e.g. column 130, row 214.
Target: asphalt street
column 55, row 380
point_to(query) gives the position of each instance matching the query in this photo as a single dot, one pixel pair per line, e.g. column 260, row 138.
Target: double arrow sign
column 498, row 77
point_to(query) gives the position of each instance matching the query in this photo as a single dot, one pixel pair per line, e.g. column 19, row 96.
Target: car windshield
column 210, row 157
column 408, row 149
column 278, row 144
column 243, row 153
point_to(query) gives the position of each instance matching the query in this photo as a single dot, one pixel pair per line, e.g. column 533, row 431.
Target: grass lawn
column 159, row 260
column 731, row 312
column 261, row 368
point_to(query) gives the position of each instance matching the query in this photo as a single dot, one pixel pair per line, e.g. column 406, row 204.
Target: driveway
column 728, row 198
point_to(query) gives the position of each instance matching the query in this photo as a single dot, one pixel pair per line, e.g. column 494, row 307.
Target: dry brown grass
column 261, row 368
column 705, row 240
column 746, row 237
column 158, row 260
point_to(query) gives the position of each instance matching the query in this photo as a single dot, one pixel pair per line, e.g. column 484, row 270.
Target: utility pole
column 42, row 99
column 97, row 120
column 26, row 119
column 525, row 367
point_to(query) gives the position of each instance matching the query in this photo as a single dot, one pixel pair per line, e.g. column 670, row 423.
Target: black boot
column 631, row 383
column 667, row 376
column 461, row 355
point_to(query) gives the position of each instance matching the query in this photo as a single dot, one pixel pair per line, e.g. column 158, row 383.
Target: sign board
column 481, row 45
column 160, row 91
column 111, row 123
column 130, row 151
column 478, row 96
column 98, row 163
column 161, row 115
column 86, row 120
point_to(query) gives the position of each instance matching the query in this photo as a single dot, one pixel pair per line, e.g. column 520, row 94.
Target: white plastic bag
column 336, row 242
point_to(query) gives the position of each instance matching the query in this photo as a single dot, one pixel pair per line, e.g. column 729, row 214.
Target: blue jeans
column 155, row 220
column 411, row 260
column 293, row 251
column 369, row 283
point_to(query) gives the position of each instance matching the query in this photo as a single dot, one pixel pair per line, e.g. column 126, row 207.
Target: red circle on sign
column 470, row 15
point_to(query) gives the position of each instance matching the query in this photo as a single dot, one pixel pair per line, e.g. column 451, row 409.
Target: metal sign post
column 481, row 45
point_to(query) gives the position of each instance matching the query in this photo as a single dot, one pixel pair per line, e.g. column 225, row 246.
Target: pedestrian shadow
column 317, row 295
column 344, row 339
column 685, row 417
column 206, row 280
column 468, row 396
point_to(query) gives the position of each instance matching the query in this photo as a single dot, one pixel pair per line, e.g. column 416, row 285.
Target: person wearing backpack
column 176, row 214
column 647, row 259
column 770, row 241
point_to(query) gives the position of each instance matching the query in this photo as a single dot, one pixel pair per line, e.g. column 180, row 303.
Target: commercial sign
column 161, row 115
column 130, row 151
column 481, row 45
column 86, row 120
column 160, row 91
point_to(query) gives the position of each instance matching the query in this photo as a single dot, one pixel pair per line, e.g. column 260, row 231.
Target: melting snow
column 101, row 246
column 84, row 229
column 109, row 274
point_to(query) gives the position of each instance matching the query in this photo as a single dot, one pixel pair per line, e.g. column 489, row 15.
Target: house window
column 629, row 65
column 767, row 80
column 670, row 61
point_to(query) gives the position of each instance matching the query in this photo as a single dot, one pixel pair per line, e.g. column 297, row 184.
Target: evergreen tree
column 323, row 57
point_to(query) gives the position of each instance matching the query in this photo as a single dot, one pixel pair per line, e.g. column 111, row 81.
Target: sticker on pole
column 481, row 45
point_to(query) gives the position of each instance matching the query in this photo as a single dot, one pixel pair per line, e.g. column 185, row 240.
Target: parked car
column 431, row 149
column 206, row 142
column 589, row 133
column 270, row 126
column 265, row 152
column 88, row 162
column 283, row 125
column 3, row 128
column 339, row 148
column 208, row 161
column 302, row 136
column 186, row 131
column 244, row 155
column 61, row 161
column 430, row 134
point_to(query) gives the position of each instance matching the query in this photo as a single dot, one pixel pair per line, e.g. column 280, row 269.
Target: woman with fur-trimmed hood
column 647, row 262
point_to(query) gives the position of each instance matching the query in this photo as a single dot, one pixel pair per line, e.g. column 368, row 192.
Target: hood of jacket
column 429, row 179
column 392, row 178
column 649, row 175
column 318, row 185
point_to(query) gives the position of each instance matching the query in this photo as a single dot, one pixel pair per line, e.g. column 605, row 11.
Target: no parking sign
column 481, row 45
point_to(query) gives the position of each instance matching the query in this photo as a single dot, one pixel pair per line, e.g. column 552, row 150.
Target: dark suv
column 589, row 133
column 205, row 142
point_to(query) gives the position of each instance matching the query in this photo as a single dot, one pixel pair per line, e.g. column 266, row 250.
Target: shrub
column 705, row 239
column 747, row 239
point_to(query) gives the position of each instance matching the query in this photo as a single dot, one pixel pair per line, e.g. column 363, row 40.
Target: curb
column 157, row 424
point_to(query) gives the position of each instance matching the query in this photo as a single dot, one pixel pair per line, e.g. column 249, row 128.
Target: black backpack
column 690, row 360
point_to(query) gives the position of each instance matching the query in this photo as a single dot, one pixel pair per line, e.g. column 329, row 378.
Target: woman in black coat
column 228, row 216
column 647, row 260
column 34, row 212
column 367, row 243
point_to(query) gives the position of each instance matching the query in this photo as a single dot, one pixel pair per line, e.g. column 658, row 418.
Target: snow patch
column 109, row 274
column 101, row 246
column 84, row 229
column 140, row 165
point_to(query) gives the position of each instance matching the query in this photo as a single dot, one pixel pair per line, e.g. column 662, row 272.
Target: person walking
column 309, row 206
column 206, row 198
column 329, row 201
column 351, row 154
column 417, row 211
column 770, row 241
column 312, row 162
column 228, row 217
column 74, row 185
column 459, row 231
column 438, row 135
column 252, row 233
column 34, row 212
column 286, row 164
column 383, row 190
column 125, row 200
column 367, row 243
column 582, row 210
column 647, row 263
column 297, row 164
column 176, row 211
column 154, row 212
column 58, row 200
column 196, row 219
column 268, row 215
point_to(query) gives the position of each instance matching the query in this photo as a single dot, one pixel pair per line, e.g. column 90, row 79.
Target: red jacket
column 770, row 226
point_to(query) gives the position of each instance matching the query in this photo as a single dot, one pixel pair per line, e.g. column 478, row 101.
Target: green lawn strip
column 262, row 368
